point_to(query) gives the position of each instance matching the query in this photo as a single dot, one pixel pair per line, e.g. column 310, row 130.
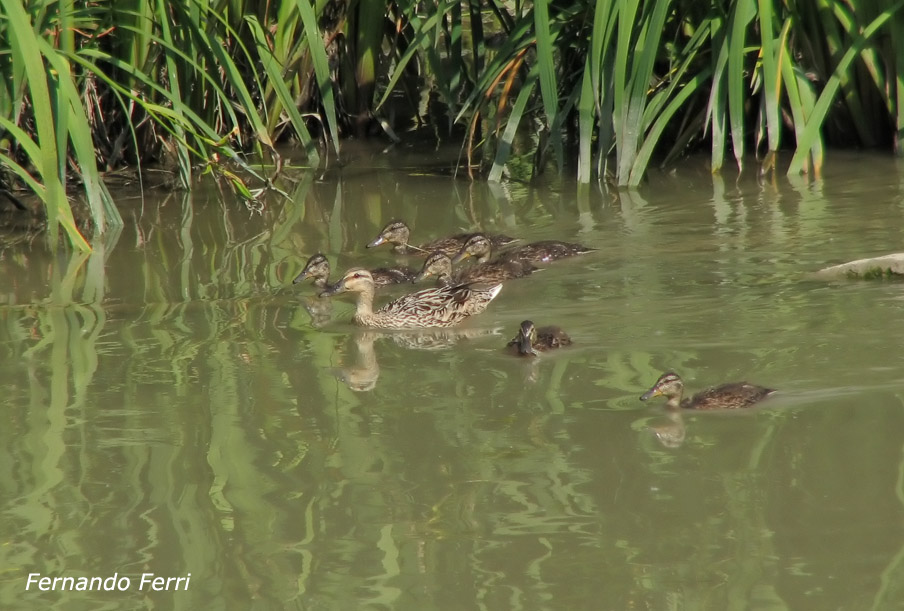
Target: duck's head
column 437, row 264
column 668, row 385
column 478, row 246
column 526, row 338
column 355, row 280
column 318, row 268
column 395, row 232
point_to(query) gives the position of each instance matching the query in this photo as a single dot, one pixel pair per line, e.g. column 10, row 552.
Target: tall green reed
column 600, row 88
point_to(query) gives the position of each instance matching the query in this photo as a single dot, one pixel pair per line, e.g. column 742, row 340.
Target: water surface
column 174, row 405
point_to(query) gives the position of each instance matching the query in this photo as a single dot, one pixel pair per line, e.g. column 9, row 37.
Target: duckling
column 397, row 233
column 726, row 396
column 531, row 340
column 481, row 248
column 440, row 265
column 318, row 268
column 435, row 307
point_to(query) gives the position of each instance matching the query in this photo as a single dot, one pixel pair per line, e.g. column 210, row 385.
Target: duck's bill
column 524, row 346
column 460, row 257
column 300, row 277
column 333, row 289
column 377, row 241
column 653, row 392
column 419, row 277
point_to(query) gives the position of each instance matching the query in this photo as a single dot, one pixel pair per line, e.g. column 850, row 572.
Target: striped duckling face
column 437, row 264
column 669, row 385
column 526, row 338
column 395, row 232
column 477, row 246
column 318, row 268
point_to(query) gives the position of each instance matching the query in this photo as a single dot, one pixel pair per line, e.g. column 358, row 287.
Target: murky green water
column 175, row 406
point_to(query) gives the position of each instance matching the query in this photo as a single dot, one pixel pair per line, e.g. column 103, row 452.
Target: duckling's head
column 478, row 246
column 395, row 232
column 526, row 338
column 318, row 268
column 668, row 385
column 355, row 280
column 437, row 264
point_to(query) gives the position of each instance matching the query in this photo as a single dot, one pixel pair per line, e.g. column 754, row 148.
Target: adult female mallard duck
column 481, row 248
column 531, row 340
column 726, row 396
column 436, row 307
column 440, row 265
column 397, row 233
column 318, row 268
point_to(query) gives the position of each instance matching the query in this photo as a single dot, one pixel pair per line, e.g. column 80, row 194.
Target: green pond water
column 175, row 406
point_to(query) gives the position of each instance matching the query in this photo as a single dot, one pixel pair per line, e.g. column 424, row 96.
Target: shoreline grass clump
column 598, row 90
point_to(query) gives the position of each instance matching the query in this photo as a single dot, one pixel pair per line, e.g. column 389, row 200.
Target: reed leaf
column 46, row 157
column 511, row 128
column 772, row 83
column 742, row 14
column 815, row 121
column 548, row 86
column 321, row 67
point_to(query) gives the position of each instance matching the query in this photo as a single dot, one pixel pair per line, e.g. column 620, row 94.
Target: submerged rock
column 888, row 267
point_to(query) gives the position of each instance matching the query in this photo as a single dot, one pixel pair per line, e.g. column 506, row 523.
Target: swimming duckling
column 440, row 265
column 481, row 248
column 397, row 234
column 531, row 340
column 318, row 268
column 726, row 396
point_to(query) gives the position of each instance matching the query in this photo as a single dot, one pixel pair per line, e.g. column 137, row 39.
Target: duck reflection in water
column 362, row 376
column 670, row 434
column 364, row 371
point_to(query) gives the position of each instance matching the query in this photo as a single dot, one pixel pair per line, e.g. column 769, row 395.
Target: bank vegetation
column 596, row 90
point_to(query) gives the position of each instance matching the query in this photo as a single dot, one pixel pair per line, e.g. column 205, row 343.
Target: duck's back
column 545, row 251
column 451, row 245
column 392, row 275
column 728, row 396
column 435, row 307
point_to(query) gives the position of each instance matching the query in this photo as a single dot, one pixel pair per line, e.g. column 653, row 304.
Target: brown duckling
column 397, row 233
column 726, row 396
column 318, row 268
column 481, row 248
column 440, row 265
column 530, row 340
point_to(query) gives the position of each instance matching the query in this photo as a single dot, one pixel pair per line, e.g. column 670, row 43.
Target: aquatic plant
column 601, row 87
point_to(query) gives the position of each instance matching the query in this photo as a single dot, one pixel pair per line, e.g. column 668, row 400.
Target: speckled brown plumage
column 439, row 264
column 530, row 340
column 397, row 233
column 726, row 396
column 434, row 307
column 318, row 268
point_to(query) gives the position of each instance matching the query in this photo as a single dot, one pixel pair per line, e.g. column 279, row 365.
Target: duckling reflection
column 438, row 339
column 363, row 375
column 670, row 434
